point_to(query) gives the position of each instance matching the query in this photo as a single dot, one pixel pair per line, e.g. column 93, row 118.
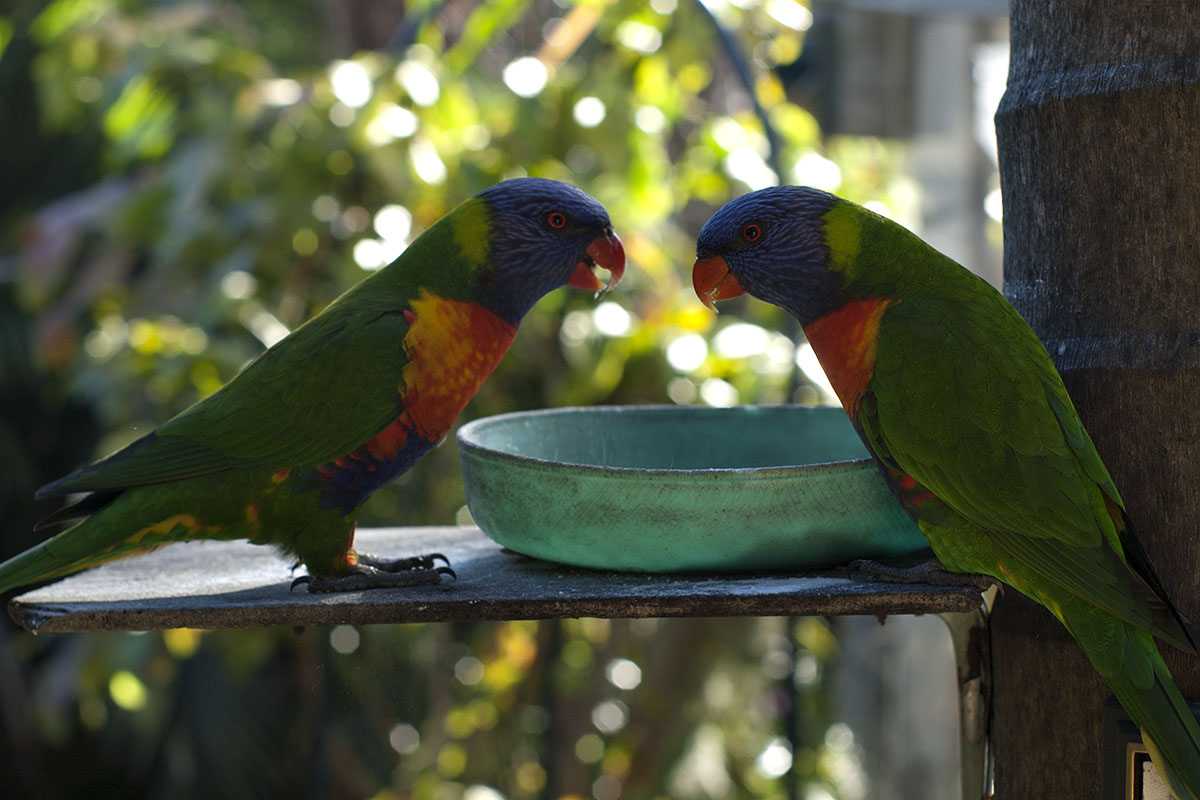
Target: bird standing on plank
column 972, row 428
column 287, row 452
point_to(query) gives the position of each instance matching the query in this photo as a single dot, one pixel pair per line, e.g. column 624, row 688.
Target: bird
column 287, row 452
column 971, row 427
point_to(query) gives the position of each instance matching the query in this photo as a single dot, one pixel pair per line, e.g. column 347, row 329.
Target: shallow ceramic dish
column 675, row 488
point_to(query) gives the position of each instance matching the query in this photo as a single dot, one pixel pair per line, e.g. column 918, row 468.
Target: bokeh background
column 184, row 181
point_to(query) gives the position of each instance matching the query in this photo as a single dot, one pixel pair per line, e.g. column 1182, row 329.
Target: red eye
column 752, row 232
column 556, row 219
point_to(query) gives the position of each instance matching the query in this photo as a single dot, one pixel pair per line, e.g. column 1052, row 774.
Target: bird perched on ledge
column 972, row 428
column 287, row 452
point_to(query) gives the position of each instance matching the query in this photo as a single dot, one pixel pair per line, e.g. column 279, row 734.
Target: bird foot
column 417, row 571
column 427, row 562
column 931, row 573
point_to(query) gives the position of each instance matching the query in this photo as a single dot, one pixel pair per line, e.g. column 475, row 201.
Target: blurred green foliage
column 183, row 182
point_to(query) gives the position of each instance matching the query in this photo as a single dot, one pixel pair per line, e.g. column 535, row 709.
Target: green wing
column 324, row 390
column 966, row 400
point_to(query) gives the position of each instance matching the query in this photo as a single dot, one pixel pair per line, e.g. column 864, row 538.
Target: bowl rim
column 467, row 442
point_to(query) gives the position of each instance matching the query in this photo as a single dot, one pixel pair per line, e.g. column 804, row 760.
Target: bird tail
column 1129, row 660
column 56, row 557
column 109, row 534
column 39, row 563
column 1169, row 728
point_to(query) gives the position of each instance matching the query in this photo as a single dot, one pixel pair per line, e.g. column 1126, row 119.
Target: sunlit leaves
column 417, row 77
column 254, row 180
column 127, row 690
column 182, row 643
column 351, row 83
column 639, row 36
column 6, row 33
column 526, row 76
column 404, row 738
column 60, row 17
column 344, row 639
column 487, row 21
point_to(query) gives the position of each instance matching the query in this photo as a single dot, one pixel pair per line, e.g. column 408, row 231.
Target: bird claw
column 367, row 577
column 403, row 564
column 373, row 572
column 931, row 573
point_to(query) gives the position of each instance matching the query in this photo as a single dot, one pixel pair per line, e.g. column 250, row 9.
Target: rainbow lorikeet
column 972, row 428
column 287, row 452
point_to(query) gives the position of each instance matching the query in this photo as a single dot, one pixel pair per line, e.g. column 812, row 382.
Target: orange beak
column 604, row 251
column 713, row 281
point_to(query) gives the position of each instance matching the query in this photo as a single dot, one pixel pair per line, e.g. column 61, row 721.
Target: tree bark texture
column 1099, row 137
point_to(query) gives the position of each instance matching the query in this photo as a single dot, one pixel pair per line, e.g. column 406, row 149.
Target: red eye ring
column 751, row 232
column 556, row 220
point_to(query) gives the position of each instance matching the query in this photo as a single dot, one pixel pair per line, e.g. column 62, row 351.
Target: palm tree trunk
column 1099, row 136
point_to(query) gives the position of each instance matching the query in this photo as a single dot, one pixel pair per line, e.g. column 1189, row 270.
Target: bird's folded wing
column 993, row 435
column 323, row 391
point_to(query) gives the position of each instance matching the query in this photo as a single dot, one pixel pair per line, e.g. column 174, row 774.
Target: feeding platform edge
column 210, row 584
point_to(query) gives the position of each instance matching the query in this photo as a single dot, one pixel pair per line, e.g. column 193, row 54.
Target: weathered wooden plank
column 235, row 584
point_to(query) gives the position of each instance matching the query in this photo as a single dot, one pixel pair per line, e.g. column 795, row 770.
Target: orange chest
column 846, row 342
column 452, row 347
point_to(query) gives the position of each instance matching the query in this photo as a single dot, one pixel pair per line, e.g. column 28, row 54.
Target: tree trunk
column 1099, row 137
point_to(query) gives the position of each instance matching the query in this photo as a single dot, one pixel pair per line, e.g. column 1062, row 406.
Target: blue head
column 770, row 243
column 544, row 234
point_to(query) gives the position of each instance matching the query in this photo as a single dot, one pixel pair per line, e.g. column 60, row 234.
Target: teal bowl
column 681, row 488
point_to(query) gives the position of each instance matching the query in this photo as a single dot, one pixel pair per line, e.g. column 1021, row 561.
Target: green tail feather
column 1129, row 661
column 1172, row 778
column 1168, row 728
column 53, row 558
column 115, row 531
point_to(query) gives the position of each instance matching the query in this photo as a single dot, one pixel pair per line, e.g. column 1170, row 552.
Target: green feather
column 969, row 403
column 267, row 414
column 287, row 451
column 963, row 398
column 322, row 391
column 966, row 400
